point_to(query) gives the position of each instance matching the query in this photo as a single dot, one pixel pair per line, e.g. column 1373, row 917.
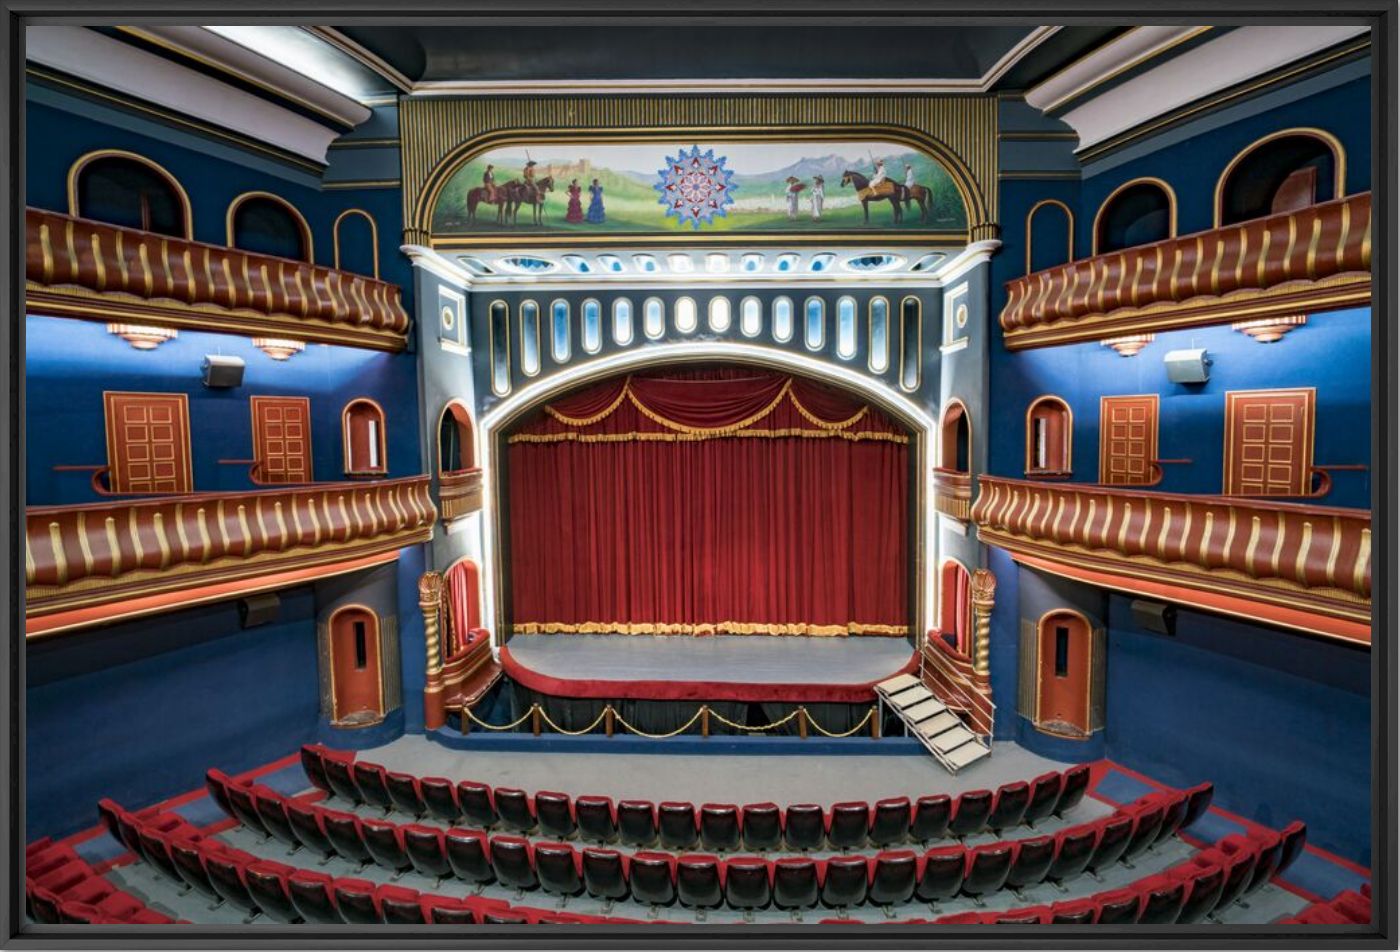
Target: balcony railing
column 78, row 557
column 1310, row 566
column 459, row 493
column 953, row 680
column 1314, row 259
column 88, row 269
column 952, row 493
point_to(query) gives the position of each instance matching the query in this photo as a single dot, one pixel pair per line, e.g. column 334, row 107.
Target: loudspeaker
column 258, row 609
column 1158, row 617
column 1187, row 366
column 222, row 372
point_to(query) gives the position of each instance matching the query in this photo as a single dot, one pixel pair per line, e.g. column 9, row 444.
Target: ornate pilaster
column 430, row 601
column 984, row 590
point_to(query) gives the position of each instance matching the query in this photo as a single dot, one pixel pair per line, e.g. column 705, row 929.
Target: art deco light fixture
column 1268, row 330
column 279, row 348
column 1130, row 345
column 143, row 336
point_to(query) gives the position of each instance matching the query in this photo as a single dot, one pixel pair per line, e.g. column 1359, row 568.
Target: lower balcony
column 459, row 493
column 952, row 493
column 1300, row 566
column 95, row 563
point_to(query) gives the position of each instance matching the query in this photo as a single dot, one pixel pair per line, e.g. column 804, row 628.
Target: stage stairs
column 939, row 729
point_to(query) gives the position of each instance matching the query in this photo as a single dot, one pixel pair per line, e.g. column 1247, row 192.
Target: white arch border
column 921, row 422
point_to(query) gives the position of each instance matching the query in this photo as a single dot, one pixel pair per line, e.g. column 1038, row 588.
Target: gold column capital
column 983, row 591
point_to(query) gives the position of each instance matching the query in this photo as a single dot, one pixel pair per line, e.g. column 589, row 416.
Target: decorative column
column 984, row 591
column 430, row 601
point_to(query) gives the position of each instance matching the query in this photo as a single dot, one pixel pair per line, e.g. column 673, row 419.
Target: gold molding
column 1339, row 163
column 1069, row 214
column 373, row 237
column 279, row 200
column 87, row 158
column 1141, row 180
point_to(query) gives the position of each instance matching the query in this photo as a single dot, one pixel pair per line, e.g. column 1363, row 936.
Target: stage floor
column 742, row 667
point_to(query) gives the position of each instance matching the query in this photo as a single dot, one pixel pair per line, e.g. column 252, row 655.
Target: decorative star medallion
column 695, row 186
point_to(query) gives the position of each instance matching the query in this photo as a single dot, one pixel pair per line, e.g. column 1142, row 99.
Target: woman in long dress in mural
column 575, row 213
column 595, row 204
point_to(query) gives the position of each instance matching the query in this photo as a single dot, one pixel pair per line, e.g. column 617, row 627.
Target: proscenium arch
column 1069, row 224
column 83, row 161
column 1339, row 162
column 966, row 183
column 1108, row 200
column 922, row 426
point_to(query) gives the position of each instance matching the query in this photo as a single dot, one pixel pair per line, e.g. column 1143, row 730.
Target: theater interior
column 604, row 473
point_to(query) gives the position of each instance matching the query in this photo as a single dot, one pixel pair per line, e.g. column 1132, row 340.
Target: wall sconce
column 279, row 348
column 143, row 336
column 1268, row 330
column 1130, row 345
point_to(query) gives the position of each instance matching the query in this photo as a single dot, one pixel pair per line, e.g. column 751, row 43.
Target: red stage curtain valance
column 728, row 501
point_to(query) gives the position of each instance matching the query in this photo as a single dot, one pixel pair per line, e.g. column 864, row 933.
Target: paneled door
column 1268, row 441
column 148, row 442
column 1127, row 439
column 282, row 439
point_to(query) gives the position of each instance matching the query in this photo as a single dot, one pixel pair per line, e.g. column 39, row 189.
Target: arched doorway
column 1065, row 673
column 357, row 685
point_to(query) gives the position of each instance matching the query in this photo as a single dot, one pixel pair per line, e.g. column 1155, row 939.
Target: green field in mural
column 705, row 188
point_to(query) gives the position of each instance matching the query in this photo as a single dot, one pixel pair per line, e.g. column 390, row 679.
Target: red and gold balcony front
column 459, row 493
column 1305, row 567
column 952, row 492
column 1314, row 259
column 80, row 268
column 94, row 563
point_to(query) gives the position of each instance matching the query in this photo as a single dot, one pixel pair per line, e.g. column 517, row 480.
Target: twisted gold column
column 430, row 601
column 984, row 590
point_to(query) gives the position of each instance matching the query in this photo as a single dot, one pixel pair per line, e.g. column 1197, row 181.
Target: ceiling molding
column 1114, row 58
column 361, row 55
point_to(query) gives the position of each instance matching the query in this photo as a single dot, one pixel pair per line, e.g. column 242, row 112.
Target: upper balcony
column 80, row 268
column 1315, row 259
column 1302, row 566
column 92, row 563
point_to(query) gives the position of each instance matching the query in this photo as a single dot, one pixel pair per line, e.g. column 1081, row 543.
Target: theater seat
column 354, row 900
column 1238, row 855
column 468, row 856
column 931, row 816
column 1010, row 806
column 474, row 800
column 272, row 811
column 399, row 905
column 405, row 793
column 1173, row 812
column 677, row 826
column 804, row 827
column 1045, row 794
column 604, row 873
column 941, row 876
column 426, row 850
column 558, row 869
column 1114, row 833
column 189, row 866
column 1075, row 912
column 636, row 822
column 698, row 884
column 889, row 826
column 384, row 842
column 847, row 881
column 1074, row 850
column 850, row 825
column 653, row 878
column 1146, row 824
column 795, row 883
column 747, row 883
column 343, row 831
column 1033, row 858
column 987, row 868
column 719, row 827
column 338, row 775
column 313, row 768
column 1356, row 907
column 1197, row 803
column 1203, row 888
column 970, row 814
column 226, row 875
column 241, row 799
column 267, row 884
column 1028, row 915
column 1120, row 907
column 372, row 782
column 514, row 809
column 1076, row 784
column 1270, row 850
column 1162, row 898
column 440, row 797
column 511, row 861
column 597, row 822
column 444, row 910
column 305, row 821
column 156, row 848
column 310, row 893
column 893, row 876
column 970, row 918
column 1295, row 837
column 555, row 814
column 761, row 828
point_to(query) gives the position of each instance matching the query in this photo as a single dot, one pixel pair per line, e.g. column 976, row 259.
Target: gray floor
column 732, row 659
column 717, row 778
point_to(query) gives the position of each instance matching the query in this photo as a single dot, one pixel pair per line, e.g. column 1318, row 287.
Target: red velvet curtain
column 709, row 502
column 463, row 604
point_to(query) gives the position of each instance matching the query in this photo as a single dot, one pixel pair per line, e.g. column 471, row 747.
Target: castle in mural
column 646, row 188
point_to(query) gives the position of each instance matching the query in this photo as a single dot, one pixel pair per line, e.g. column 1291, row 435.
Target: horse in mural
column 896, row 194
column 521, row 193
column 481, row 196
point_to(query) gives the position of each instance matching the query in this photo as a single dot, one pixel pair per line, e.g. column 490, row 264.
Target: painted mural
column 698, row 188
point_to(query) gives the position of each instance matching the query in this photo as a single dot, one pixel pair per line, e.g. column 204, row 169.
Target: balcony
column 1314, row 259
column 92, row 563
column 80, row 268
column 1305, row 567
column 459, row 493
column 952, row 493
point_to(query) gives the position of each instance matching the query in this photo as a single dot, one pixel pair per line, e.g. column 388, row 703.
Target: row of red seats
column 60, row 886
column 678, row 825
column 705, row 881
column 1352, row 907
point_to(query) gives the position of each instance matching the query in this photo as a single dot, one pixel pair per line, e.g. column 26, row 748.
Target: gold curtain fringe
column 712, row 431
column 638, row 436
column 813, row 419
column 595, row 418
column 706, row 628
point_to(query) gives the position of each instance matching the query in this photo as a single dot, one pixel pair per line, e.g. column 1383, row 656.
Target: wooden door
column 282, row 439
column 1268, row 441
column 357, row 692
column 1127, row 439
column 1063, row 681
column 148, row 442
